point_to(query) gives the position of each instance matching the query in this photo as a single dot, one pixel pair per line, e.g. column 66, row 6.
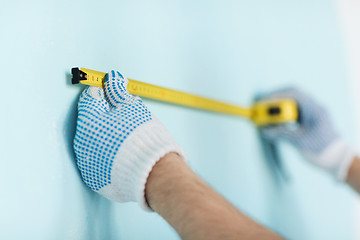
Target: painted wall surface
column 350, row 24
column 227, row 50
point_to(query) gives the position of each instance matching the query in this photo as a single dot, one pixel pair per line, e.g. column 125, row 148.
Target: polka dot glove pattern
column 118, row 141
column 315, row 137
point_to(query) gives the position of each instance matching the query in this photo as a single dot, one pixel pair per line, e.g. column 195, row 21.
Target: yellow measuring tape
column 261, row 113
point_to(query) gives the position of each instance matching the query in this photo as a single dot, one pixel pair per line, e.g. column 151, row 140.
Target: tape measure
column 261, row 113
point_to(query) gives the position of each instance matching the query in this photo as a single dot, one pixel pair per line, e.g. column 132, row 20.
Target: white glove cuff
column 347, row 156
column 336, row 158
column 135, row 160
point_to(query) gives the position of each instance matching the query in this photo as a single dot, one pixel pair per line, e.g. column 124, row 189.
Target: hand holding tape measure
column 118, row 140
column 262, row 113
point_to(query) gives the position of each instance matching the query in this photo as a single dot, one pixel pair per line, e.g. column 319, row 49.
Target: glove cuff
column 336, row 158
column 346, row 156
column 135, row 160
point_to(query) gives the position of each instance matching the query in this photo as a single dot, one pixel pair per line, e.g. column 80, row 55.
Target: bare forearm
column 353, row 178
column 193, row 208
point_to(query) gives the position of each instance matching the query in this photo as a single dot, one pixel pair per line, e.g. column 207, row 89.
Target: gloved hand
column 316, row 137
column 118, row 141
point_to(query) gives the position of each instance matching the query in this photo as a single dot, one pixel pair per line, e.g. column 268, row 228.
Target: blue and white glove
column 315, row 137
column 118, row 141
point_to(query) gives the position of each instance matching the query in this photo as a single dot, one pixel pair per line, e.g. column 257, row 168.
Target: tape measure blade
column 184, row 99
column 96, row 78
column 93, row 78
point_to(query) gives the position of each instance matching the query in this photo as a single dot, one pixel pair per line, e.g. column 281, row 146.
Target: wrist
column 165, row 173
column 353, row 177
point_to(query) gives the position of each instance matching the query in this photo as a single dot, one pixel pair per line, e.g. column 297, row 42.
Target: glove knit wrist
column 135, row 160
column 336, row 159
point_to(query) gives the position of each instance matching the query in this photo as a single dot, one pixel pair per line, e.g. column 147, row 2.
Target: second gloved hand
column 118, row 141
column 315, row 138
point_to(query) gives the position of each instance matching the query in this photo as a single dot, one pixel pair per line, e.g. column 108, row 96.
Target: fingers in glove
column 115, row 85
column 288, row 92
column 280, row 132
column 93, row 99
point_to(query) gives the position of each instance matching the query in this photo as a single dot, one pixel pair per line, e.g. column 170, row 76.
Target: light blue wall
column 227, row 50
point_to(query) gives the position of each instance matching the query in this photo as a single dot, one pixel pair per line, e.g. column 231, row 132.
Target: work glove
column 315, row 136
column 118, row 141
